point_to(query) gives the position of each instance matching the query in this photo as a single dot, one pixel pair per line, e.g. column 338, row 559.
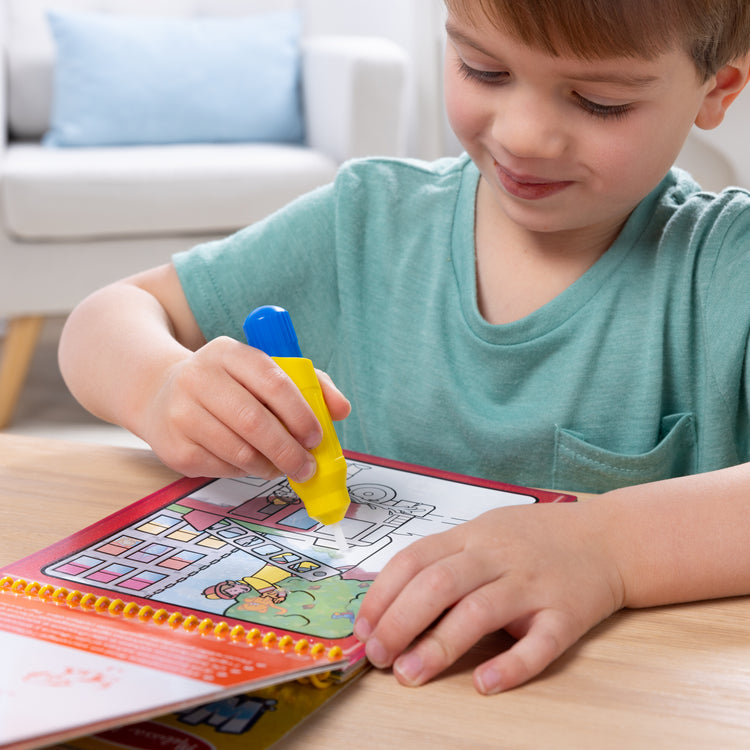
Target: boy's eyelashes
column 603, row 111
column 483, row 76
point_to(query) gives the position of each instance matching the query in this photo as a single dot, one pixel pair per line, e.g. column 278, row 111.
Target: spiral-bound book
column 206, row 589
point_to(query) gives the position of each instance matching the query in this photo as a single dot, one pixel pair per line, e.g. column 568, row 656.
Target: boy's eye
column 482, row 76
column 605, row 111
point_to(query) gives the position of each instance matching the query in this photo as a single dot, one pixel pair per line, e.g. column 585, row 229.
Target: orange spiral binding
column 103, row 605
column 237, row 633
column 131, row 610
column 46, row 592
column 221, row 631
column 88, row 602
column 32, row 589
column 190, row 623
column 144, row 613
column 175, row 620
column 73, row 598
column 322, row 680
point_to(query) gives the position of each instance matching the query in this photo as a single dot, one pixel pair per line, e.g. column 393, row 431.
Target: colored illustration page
column 207, row 589
column 254, row 720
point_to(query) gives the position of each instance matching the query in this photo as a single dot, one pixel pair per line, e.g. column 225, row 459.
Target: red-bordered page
column 207, row 588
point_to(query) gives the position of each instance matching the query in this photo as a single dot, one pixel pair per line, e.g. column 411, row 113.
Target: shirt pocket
column 583, row 467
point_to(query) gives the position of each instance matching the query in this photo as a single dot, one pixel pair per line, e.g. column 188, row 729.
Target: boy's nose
column 529, row 129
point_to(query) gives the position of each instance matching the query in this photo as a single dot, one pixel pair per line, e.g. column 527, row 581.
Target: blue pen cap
column 270, row 329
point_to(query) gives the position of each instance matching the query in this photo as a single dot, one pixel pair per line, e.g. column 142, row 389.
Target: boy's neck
column 518, row 271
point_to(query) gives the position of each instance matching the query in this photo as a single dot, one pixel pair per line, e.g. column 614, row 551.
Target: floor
column 47, row 409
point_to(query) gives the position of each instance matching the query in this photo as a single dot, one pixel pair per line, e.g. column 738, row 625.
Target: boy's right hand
column 220, row 409
column 229, row 410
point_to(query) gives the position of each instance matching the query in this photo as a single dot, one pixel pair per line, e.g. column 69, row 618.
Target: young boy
column 560, row 309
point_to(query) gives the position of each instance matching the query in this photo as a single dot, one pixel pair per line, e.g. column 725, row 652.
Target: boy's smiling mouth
column 529, row 187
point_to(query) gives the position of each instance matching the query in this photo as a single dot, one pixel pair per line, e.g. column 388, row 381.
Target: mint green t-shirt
column 638, row 371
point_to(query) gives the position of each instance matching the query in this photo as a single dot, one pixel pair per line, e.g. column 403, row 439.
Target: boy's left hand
column 544, row 573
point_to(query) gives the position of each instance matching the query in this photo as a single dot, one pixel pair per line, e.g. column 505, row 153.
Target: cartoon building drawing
column 263, row 520
column 246, row 548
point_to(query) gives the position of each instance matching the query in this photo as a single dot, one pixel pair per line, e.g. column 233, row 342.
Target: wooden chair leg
column 18, row 348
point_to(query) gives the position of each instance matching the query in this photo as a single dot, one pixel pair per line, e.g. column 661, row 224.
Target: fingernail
column 409, row 667
column 307, row 471
column 312, row 440
column 376, row 653
column 489, row 681
column 362, row 629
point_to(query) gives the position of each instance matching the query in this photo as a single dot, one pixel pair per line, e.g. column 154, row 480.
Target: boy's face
column 564, row 143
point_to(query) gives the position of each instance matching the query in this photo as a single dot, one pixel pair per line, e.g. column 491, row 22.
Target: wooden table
column 669, row 677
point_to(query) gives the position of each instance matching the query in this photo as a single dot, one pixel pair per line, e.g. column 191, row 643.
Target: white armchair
column 74, row 219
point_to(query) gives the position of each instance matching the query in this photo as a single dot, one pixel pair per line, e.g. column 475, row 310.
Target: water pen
column 325, row 495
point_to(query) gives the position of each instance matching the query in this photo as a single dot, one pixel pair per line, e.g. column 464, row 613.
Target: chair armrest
column 354, row 96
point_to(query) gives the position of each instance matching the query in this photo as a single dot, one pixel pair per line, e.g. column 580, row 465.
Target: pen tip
column 338, row 535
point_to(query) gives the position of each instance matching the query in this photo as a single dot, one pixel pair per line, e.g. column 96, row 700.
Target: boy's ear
column 728, row 83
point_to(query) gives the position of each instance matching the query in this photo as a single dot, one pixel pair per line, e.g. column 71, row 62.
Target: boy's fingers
column 210, row 408
column 227, row 446
column 274, row 389
column 549, row 636
column 486, row 609
column 270, row 422
column 204, row 446
column 194, row 460
column 237, row 428
column 422, row 599
column 551, row 633
column 390, row 582
column 338, row 404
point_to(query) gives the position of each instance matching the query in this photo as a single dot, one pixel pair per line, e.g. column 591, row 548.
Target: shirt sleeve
column 287, row 259
column 726, row 312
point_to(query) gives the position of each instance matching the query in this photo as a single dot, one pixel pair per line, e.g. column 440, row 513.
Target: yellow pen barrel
column 325, row 496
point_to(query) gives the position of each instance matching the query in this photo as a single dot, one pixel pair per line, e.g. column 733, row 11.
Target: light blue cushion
column 124, row 80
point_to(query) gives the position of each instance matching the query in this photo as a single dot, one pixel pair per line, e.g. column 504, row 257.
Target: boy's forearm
column 681, row 539
column 115, row 347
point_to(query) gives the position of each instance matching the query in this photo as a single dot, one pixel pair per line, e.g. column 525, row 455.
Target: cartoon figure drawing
column 265, row 583
column 274, row 597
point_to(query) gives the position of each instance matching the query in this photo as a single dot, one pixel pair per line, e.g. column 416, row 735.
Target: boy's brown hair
column 712, row 32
